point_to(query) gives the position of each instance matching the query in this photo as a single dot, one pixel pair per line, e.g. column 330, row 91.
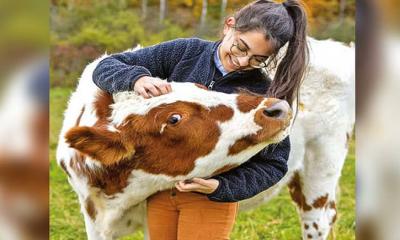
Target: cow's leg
column 95, row 229
column 92, row 233
column 313, row 187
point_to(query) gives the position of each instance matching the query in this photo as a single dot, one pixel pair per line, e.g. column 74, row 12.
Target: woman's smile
column 231, row 63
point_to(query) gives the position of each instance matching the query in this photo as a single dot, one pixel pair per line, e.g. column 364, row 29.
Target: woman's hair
column 281, row 23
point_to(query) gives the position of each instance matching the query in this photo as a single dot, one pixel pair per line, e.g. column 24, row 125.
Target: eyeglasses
column 254, row 61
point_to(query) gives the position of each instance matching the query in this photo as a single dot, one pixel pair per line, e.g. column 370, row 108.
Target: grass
column 277, row 219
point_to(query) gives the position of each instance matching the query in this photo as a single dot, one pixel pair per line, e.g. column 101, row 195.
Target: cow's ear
column 100, row 144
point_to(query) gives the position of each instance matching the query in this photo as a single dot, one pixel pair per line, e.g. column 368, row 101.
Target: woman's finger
column 143, row 92
column 168, row 86
column 200, row 181
column 152, row 89
column 178, row 187
column 190, row 186
column 181, row 188
column 162, row 86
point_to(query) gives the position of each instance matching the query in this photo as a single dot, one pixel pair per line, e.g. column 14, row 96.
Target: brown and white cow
column 110, row 182
column 118, row 150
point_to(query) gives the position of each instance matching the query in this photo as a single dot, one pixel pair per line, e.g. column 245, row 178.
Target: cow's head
column 171, row 133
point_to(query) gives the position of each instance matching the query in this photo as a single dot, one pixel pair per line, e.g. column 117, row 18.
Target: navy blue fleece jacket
column 191, row 60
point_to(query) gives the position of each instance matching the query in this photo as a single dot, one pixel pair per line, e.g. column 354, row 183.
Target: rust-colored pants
column 174, row 215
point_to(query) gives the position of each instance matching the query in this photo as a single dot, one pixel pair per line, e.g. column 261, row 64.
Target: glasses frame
column 259, row 64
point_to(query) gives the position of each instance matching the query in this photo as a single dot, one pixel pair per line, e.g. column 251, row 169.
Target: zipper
column 210, row 86
column 220, row 80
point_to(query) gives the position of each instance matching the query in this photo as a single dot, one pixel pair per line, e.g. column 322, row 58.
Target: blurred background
column 24, row 120
column 82, row 30
column 378, row 117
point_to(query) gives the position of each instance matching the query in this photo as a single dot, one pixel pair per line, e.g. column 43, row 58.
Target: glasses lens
column 237, row 52
column 257, row 62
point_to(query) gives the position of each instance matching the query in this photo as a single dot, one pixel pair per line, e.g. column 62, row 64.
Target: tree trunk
column 203, row 15
column 144, row 9
column 342, row 8
column 223, row 10
column 163, row 7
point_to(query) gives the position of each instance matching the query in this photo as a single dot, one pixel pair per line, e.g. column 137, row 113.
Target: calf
column 319, row 137
column 118, row 150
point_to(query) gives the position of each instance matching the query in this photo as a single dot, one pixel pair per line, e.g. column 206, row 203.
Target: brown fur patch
column 201, row 86
column 320, row 202
column 100, row 144
column 102, row 105
column 332, row 205
column 348, row 139
column 221, row 113
column 241, row 145
column 110, row 179
column 177, row 147
column 315, row 225
column 62, row 164
column 90, row 208
column 309, row 236
column 224, row 169
column 78, row 120
column 246, row 102
column 306, row 226
column 333, row 219
column 297, row 194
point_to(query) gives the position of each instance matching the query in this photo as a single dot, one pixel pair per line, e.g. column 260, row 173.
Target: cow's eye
column 174, row 119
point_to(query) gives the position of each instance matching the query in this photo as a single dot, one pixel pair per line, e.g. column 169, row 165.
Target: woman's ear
column 229, row 24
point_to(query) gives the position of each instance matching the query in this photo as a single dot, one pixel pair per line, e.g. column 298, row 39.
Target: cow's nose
column 279, row 110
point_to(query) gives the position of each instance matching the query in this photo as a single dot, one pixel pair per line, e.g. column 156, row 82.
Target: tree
column 163, row 9
column 203, row 14
column 223, row 10
column 144, row 9
column 342, row 8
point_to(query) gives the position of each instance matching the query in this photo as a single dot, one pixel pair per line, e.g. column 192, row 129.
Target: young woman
column 252, row 38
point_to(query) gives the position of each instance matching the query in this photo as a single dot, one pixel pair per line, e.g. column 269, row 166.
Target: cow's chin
column 276, row 137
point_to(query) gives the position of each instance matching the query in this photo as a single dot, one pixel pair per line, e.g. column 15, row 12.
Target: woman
column 252, row 38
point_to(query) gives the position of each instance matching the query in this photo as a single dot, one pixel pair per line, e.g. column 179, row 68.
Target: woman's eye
column 242, row 49
column 174, row 119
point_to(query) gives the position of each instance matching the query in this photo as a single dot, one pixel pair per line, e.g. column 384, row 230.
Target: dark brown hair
column 281, row 23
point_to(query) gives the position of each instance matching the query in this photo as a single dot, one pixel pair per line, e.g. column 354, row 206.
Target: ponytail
column 291, row 69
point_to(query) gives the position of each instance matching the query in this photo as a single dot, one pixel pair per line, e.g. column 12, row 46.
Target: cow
column 97, row 153
column 118, row 150
column 320, row 138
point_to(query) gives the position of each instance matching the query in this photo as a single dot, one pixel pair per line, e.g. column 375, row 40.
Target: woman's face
column 247, row 48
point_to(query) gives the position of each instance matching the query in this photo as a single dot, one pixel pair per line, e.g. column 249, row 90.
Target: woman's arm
column 119, row 72
column 258, row 174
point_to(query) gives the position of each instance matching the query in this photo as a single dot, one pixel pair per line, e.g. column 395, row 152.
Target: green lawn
column 277, row 219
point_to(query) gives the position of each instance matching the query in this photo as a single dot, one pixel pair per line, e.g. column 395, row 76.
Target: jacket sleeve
column 119, row 72
column 262, row 171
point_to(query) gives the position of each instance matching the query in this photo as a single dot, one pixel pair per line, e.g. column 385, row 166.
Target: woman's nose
column 243, row 61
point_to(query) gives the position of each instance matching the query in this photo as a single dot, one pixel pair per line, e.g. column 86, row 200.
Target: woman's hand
column 149, row 87
column 206, row 186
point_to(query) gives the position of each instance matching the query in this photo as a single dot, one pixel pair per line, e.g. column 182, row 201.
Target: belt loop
column 173, row 192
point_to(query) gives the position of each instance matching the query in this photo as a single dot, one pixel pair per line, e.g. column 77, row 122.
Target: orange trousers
column 174, row 215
